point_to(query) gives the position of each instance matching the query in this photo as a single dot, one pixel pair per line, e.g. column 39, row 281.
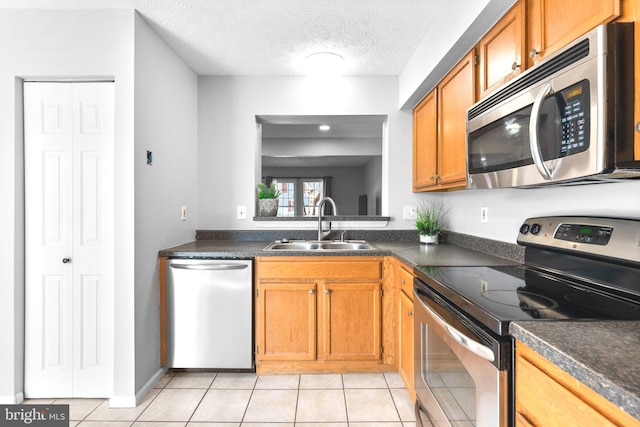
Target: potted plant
column 268, row 199
column 429, row 221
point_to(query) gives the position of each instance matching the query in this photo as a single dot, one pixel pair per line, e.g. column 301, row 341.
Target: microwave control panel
column 573, row 105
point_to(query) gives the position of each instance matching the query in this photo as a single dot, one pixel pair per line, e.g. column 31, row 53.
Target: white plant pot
column 429, row 240
column 268, row 207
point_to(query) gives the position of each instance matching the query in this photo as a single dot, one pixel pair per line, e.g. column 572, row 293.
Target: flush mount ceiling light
column 324, row 64
column 324, row 127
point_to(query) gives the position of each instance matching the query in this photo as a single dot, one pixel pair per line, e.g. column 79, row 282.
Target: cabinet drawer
column 315, row 268
column 405, row 279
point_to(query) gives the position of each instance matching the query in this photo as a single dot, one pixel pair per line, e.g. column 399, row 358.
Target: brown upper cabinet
column 439, row 131
column 501, row 51
column 551, row 24
column 425, row 135
column 456, row 93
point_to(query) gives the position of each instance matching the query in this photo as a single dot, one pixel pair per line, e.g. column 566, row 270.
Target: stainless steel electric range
column 575, row 268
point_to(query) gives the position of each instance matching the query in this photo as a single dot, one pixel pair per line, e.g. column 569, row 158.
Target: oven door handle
column 471, row 345
column 534, row 140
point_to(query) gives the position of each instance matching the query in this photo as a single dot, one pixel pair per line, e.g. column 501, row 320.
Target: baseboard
column 12, row 400
column 133, row 401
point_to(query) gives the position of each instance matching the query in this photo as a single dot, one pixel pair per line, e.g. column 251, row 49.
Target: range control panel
column 610, row 237
column 592, row 234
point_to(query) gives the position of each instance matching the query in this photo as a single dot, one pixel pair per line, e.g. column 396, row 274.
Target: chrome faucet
column 319, row 206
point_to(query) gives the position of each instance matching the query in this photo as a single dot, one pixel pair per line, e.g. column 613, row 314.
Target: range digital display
column 595, row 235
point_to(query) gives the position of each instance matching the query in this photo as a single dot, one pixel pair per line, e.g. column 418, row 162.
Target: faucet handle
column 342, row 235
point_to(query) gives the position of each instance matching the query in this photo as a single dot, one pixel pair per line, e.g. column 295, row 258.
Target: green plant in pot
column 430, row 221
column 268, row 199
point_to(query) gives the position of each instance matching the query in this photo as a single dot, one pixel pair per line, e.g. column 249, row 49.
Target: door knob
column 66, row 260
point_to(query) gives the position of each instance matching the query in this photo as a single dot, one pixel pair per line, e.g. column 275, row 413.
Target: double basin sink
column 315, row 245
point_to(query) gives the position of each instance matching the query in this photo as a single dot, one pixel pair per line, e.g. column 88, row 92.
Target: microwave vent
column 536, row 74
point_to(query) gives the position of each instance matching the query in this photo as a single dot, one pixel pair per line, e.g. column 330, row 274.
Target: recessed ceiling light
column 324, row 64
column 324, row 127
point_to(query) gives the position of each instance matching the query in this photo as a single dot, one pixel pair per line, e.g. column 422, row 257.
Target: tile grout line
column 202, row 398
column 154, row 397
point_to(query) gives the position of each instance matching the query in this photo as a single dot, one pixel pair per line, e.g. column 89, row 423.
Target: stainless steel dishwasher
column 210, row 314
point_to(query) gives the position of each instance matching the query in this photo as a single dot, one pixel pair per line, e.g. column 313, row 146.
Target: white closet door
column 69, row 140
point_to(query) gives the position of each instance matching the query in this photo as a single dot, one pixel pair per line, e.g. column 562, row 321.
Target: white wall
column 63, row 44
column 321, row 146
column 508, row 208
column 229, row 150
column 100, row 44
column 460, row 24
column 373, row 181
column 166, row 101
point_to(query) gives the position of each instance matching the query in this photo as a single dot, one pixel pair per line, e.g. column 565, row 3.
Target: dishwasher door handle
column 209, row 267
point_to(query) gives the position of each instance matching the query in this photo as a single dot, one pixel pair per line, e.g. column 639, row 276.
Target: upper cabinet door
column 456, row 93
column 501, row 50
column 554, row 23
column 425, row 134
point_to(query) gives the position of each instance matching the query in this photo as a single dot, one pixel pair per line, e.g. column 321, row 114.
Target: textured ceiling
column 272, row 37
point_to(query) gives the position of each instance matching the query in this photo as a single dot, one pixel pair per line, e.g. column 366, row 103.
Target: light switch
column 242, row 212
column 183, row 213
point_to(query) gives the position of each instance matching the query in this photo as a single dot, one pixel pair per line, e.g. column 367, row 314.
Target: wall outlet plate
column 409, row 212
column 484, row 214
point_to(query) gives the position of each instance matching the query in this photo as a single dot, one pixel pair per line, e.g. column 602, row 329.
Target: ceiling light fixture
column 324, row 127
column 324, row 64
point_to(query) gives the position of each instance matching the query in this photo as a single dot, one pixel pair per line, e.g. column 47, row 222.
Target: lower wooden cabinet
column 351, row 328
column 293, row 305
column 548, row 396
column 404, row 290
column 318, row 315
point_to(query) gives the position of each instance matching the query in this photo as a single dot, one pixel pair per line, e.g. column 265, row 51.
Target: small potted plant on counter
column 429, row 221
column 268, row 199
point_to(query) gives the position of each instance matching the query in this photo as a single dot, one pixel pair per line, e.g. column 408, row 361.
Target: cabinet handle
column 409, row 313
column 66, row 260
column 402, row 281
column 515, row 65
column 533, row 53
column 311, row 291
column 327, row 291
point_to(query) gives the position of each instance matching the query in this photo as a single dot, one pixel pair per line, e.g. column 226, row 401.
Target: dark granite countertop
column 411, row 253
column 600, row 354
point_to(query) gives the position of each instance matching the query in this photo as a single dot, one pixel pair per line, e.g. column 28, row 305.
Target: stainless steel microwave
column 567, row 119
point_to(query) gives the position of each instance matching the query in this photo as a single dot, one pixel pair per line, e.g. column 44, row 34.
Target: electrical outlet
column 183, row 213
column 242, row 212
column 409, row 212
column 484, row 214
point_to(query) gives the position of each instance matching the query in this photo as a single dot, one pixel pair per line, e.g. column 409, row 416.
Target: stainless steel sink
column 314, row 245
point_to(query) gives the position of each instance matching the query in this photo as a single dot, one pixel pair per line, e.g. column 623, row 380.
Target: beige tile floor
column 210, row 399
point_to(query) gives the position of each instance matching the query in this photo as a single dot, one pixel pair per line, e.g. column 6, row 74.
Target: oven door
column 455, row 378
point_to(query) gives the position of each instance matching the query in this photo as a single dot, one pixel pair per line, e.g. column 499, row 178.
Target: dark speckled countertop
column 601, row 354
column 411, row 253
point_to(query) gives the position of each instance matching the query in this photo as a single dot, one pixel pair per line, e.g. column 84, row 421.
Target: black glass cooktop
column 494, row 296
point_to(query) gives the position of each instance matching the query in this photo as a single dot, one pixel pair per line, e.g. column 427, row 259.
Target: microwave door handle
column 534, row 142
column 473, row 346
